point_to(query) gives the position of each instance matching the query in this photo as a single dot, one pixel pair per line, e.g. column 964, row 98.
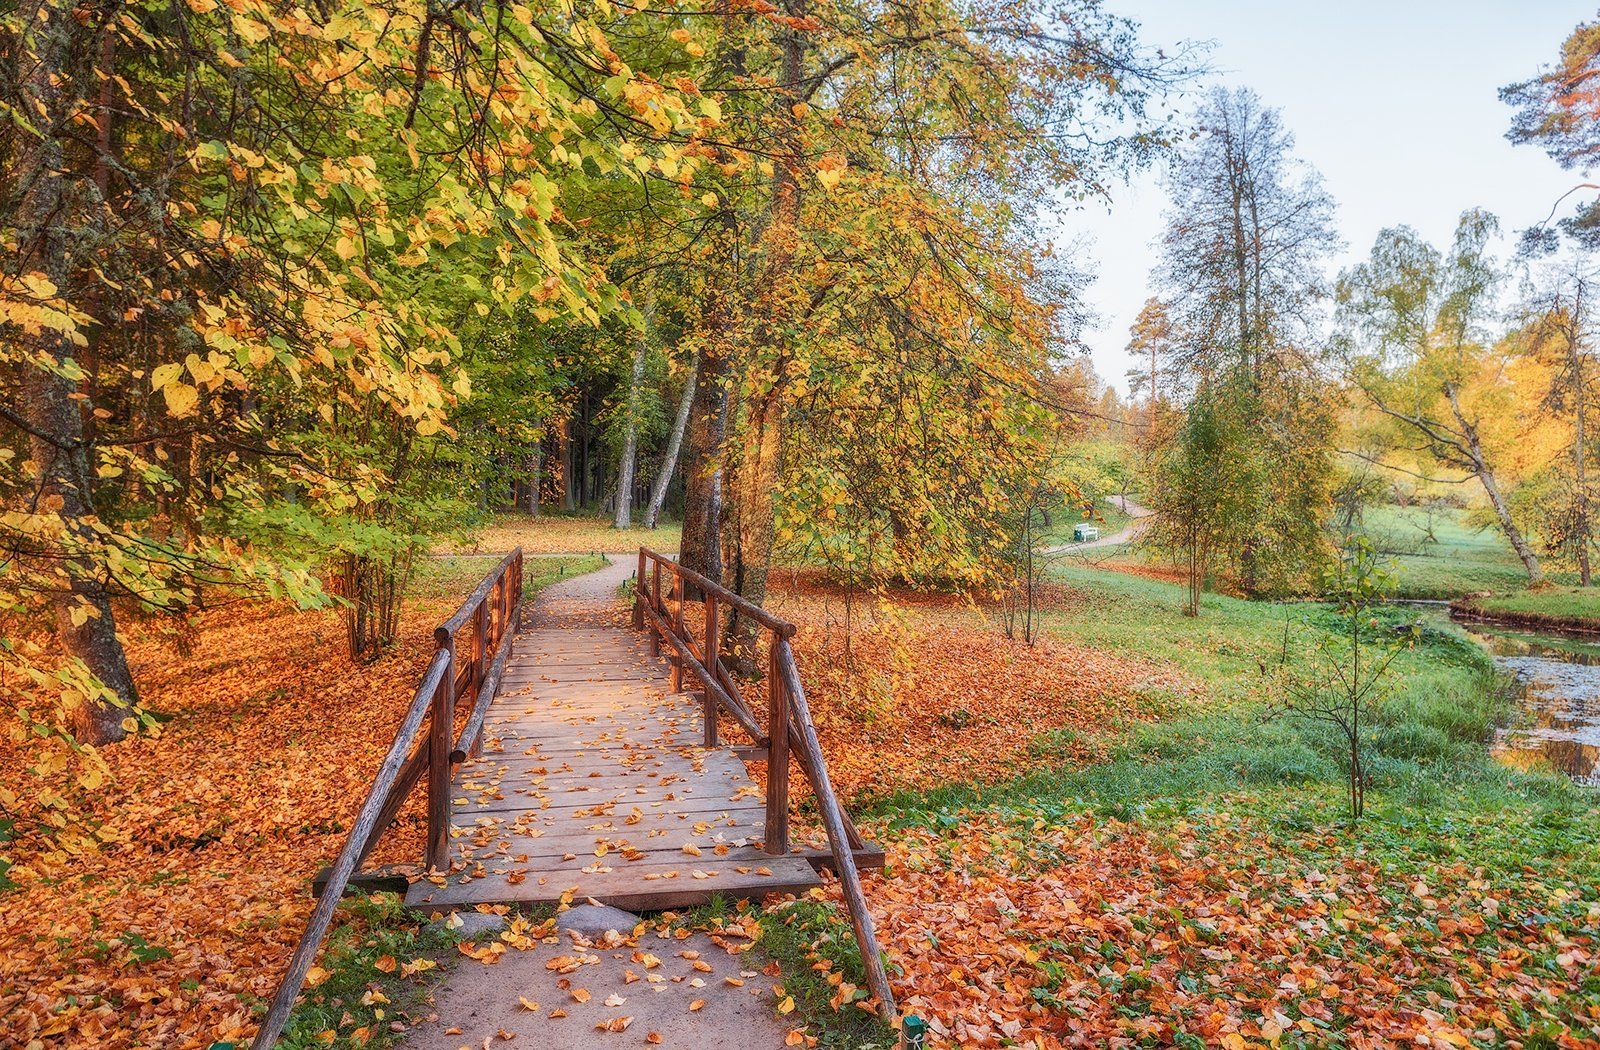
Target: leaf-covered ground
column 1229, row 928
column 1193, row 881
column 1113, row 885
column 913, row 691
column 188, row 914
column 164, row 936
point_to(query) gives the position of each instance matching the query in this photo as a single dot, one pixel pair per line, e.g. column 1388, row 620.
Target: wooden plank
column 547, row 777
column 572, row 855
column 648, row 830
column 666, row 834
column 641, row 885
column 688, row 801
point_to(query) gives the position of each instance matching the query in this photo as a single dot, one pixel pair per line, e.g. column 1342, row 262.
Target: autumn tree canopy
column 286, row 292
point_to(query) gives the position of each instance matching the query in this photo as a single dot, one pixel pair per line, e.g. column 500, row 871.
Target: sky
column 1394, row 102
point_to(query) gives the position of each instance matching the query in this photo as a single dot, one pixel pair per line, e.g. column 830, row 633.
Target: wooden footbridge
column 592, row 760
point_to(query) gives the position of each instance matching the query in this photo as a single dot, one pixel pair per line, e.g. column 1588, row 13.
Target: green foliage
column 1342, row 680
column 1201, row 485
column 798, row 935
column 374, row 938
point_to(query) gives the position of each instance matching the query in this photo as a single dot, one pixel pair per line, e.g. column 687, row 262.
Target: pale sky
column 1394, row 101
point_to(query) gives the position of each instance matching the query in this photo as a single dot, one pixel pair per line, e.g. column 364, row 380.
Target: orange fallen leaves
column 931, row 693
column 161, row 938
column 1046, row 934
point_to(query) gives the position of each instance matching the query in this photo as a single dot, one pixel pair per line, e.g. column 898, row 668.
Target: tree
column 1152, row 338
column 1411, row 319
column 233, row 313
column 631, row 410
column 669, row 457
column 899, row 159
column 1202, row 482
column 1559, row 111
column 1558, row 337
column 1248, row 229
column 1344, row 679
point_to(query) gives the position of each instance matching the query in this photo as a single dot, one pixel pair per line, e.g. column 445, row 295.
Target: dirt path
column 573, row 990
column 652, row 981
column 1127, row 534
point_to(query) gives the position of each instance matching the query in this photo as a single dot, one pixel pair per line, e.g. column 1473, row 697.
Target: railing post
column 480, row 644
column 777, row 754
column 655, row 606
column 677, row 628
column 638, row 594
column 516, row 591
column 441, row 725
column 708, row 699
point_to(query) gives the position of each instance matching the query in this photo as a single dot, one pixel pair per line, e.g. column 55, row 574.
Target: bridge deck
column 592, row 781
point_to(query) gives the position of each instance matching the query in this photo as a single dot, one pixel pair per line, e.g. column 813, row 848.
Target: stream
column 1558, row 692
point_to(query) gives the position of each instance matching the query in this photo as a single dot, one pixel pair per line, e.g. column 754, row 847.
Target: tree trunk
column 1582, row 526
column 1192, row 607
column 535, row 478
column 700, row 548
column 630, row 434
column 749, row 560
column 761, row 447
column 669, row 458
column 569, row 498
column 1530, row 560
column 50, row 211
column 1491, row 487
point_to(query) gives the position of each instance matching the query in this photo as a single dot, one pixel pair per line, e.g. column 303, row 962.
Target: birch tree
column 1413, row 319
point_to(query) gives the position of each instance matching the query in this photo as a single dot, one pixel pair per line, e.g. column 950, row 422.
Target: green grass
column 451, row 576
column 1442, row 556
column 1426, row 748
column 1564, row 602
column 355, row 1004
column 1437, row 801
column 1109, row 518
column 796, row 935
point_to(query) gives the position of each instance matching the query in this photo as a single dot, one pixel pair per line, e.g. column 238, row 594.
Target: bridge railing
column 470, row 652
column 663, row 592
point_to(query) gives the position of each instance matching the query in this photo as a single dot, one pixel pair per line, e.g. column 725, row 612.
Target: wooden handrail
column 704, row 584
column 495, row 609
column 838, row 836
column 459, row 618
column 789, row 730
column 344, row 867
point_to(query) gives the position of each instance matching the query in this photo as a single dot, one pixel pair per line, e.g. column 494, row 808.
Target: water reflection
column 1558, row 721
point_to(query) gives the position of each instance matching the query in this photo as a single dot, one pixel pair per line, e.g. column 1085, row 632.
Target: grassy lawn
column 1210, row 837
column 1214, row 734
column 562, row 534
column 1440, row 556
column 1576, row 603
column 455, row 577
